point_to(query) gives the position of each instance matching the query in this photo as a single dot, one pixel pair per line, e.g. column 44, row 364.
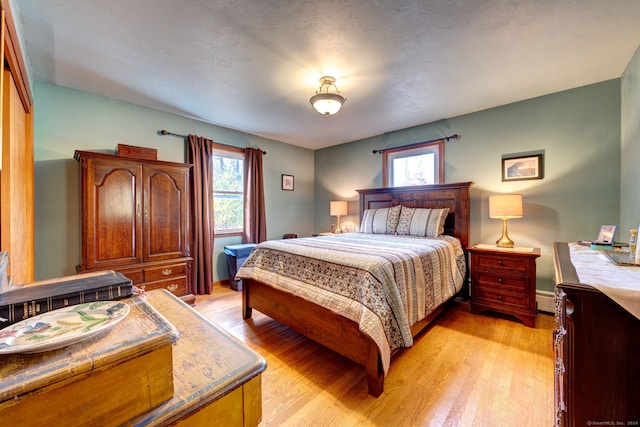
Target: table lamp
column 505, row 206
column 337, row 208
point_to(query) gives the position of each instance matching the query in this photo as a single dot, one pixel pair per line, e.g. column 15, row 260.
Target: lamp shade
column 505, row 206
column 337, row 208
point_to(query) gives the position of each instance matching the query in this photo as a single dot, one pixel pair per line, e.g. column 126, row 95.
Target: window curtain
column 200, row 153
column 255, row 223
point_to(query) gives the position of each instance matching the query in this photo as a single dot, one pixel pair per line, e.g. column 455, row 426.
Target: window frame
column 437, row 147
column 233, row 152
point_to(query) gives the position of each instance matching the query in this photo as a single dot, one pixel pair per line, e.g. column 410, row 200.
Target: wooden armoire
column 136, row 220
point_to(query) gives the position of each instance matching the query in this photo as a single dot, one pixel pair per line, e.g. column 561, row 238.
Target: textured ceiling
column 252, row 65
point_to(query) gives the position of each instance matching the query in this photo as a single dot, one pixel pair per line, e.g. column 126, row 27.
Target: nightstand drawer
column 500, row 300
column 502, row 263
column 513, row 283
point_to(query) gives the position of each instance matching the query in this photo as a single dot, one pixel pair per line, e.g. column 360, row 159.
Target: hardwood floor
column 465, row 370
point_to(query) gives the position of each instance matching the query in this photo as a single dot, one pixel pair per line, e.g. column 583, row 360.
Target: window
column 228, row 191
column 418, row 164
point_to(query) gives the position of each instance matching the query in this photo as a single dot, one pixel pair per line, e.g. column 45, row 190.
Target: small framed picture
column 522, row 168
column 607, row 234
column 287, row 182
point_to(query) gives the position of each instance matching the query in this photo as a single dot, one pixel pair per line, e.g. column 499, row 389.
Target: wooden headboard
column 452, row 196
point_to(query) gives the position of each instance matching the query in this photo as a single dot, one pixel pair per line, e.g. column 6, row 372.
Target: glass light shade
column 327, row 103
column 337, row 208
column 505, row 206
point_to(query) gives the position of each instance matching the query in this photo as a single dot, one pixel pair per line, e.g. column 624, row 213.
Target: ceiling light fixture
column 325, row 101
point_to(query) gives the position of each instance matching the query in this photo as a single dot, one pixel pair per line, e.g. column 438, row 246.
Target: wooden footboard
column 333, row 331
column 325, row 327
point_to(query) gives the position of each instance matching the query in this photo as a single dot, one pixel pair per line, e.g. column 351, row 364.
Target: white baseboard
column 546, row 301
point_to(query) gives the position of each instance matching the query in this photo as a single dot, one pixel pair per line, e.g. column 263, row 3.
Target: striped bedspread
column 386, row 283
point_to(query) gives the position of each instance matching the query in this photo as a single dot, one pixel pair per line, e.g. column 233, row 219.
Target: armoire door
column 166, row 212
column 113, row 223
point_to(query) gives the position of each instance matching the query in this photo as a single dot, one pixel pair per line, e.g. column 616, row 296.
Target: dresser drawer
column 164, row 272
column 500, row 300
column 501, row 263
column 178, row 285
column 503, row 282
column 135, row 276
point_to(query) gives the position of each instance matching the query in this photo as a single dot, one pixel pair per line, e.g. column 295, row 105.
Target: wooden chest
column 105, row 380
column 217, row 377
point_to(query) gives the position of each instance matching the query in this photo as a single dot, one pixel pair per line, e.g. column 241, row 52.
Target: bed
column 276, row 284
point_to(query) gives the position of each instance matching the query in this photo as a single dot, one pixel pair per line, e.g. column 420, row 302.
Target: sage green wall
column 630, row 143
column 66, row 120
column 579, row 132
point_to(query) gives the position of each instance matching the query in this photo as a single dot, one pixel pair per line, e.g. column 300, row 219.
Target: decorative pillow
column 380, row 221
column 422, row 222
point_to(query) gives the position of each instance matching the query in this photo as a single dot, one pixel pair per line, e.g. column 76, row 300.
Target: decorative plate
column 62, row 327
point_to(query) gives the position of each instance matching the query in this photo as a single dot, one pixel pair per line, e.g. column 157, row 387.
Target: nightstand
column 504, row 280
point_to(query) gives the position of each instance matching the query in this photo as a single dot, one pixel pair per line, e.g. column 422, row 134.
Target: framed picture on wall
column 522, row 167
column 287, row 182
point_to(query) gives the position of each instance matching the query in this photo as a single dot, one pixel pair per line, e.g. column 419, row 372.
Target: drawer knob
column 173, row 287
column 500, row 262
column 499, row 279
column 500, row 297
column 166, row 272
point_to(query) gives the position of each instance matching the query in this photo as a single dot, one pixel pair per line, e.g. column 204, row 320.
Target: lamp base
column 338, row 229
column 504, row 241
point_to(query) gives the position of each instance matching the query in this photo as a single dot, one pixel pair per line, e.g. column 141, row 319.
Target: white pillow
column 421, row 222
column 380, row 221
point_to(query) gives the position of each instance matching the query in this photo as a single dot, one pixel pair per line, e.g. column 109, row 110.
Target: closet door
column 16, row 156
column 113, row 205
column 166, row 212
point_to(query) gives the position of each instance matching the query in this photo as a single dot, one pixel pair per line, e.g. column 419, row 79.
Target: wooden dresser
column 136, row 220
column 504, row 281
column 596, row 352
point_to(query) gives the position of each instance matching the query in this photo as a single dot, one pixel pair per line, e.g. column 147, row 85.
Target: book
column 25, row 301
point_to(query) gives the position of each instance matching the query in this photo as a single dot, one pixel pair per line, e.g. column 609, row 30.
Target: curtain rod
column 166, row 132
column 447, row 138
